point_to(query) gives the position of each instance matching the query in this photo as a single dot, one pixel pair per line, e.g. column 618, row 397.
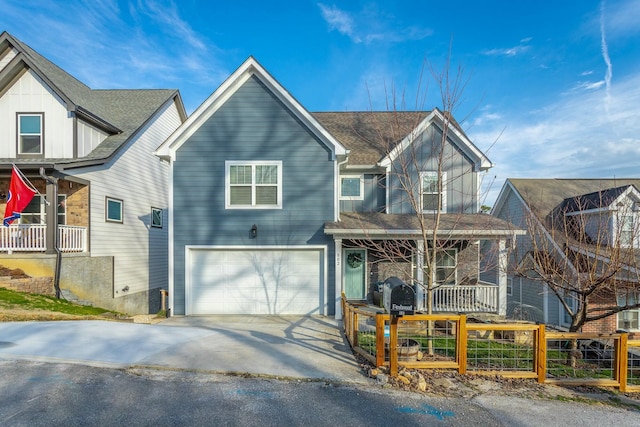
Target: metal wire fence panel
column 516, row 350
column 576, row 357
column 633, row 366
column 509, row 348
column 423, row 341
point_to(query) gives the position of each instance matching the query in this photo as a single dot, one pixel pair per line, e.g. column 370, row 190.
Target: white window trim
column 443, row 195
column 359, row 177
column 41, row 134
column 253, row 164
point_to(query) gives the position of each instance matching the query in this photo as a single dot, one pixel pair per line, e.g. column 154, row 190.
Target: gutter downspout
column 53, row 182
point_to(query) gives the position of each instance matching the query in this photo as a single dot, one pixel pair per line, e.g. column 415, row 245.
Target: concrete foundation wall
column 88, row 278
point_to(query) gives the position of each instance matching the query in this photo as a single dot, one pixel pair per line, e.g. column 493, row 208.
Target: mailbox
column 398, row 297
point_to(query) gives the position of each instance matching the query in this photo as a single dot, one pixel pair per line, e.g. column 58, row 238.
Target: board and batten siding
column 138, row 178
column 373, row 198
column 252, row 125
column 461, row 180
column 29, row 94
column 89, row 137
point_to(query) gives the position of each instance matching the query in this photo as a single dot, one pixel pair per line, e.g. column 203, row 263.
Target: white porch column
column 420, row 274
column 338, row 275
column 502, row 277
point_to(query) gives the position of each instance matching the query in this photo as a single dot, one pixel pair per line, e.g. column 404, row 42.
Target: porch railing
column 479, row 298
column 32, row 238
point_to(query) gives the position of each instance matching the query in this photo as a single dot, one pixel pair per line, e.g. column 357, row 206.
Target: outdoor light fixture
column 254, row 231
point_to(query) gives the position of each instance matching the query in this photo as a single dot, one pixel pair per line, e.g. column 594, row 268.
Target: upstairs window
column 253, row 185
column 627, row 230
column 351, row 187
column 30, row 134
column 430, row 194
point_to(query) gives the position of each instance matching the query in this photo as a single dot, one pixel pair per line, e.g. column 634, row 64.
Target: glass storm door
column 354, row 273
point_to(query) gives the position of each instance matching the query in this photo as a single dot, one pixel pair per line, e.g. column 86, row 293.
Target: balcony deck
column 32, row 238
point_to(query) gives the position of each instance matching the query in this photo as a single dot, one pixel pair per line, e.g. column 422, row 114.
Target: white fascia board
column 481, row 162
column 249, row 68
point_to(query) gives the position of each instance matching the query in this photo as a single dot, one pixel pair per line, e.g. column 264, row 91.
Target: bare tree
column 585, row 252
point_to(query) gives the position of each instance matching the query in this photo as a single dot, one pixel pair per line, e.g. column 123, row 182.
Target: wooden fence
column 512, row 350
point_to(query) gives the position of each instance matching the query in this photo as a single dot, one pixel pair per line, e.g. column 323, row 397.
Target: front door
column 354, row 273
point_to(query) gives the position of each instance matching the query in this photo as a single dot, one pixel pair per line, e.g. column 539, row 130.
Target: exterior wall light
column 254, row 231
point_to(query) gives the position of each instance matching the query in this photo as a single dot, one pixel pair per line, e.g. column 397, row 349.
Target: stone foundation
column 33, row 285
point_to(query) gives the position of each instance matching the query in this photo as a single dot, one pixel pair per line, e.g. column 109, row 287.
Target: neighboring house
column 96, row 149
column 589, row 229
column 267, row 199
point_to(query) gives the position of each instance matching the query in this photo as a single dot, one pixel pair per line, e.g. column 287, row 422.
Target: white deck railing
column 32, row 238
column 479, row 298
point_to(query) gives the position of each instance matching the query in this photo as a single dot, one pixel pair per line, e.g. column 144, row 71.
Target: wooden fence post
column 461, row 338
column 393, row 346
column 379, row 340
column 541, row 354
column 622, row 360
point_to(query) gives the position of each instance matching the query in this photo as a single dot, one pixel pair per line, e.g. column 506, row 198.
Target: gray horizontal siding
column 252, row 125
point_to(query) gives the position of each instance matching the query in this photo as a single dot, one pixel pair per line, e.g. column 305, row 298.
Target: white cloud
column 338, row 20
column 571, row 137
column 146, row 44
column 369, row 26
column 509, row 51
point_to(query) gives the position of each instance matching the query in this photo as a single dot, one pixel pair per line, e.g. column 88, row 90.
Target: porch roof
column 377, row 225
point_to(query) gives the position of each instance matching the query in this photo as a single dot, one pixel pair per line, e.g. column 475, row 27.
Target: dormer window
column 351, row 187
column 30, row 134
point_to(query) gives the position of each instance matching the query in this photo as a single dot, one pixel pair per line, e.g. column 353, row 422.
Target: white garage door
column 241, row 281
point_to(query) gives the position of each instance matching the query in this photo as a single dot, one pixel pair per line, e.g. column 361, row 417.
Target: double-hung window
column 433, row 192
column 253, row 185
column 626, row 224
column 446, row 263
column 30, row 134
column 628, row 319
column 351, row 187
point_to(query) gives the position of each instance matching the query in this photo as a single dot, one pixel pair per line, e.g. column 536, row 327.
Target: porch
column 32, row 238
column 482, row 297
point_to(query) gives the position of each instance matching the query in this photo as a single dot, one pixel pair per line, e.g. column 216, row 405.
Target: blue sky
column 552, row 87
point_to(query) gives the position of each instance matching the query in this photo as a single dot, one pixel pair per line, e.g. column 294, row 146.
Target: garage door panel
column 254, row 281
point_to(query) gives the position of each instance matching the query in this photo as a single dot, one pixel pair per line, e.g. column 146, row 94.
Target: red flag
column 20, row 195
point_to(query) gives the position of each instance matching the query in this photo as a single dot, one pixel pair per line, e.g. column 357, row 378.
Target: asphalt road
column 51, row 394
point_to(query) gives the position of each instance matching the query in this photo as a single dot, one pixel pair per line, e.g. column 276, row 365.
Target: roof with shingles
column 370, row 135
column 451, row 225
column 126, row 110
column 543, row 196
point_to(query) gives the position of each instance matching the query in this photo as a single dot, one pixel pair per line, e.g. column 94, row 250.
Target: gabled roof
column 250, row 68
column 596, row 200
column 375, row 138
column 120, row 113
column 543, row 196
column 370, row 135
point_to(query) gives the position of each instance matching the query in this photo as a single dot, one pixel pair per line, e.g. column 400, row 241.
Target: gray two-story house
column 276, row 210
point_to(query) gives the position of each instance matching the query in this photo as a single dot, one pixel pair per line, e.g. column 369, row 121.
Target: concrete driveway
column 295, row 347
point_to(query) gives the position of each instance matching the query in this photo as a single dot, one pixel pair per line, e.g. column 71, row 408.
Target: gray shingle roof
column 545, row 195
column 370, row 135
column 121, row 112
column 453, row 226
